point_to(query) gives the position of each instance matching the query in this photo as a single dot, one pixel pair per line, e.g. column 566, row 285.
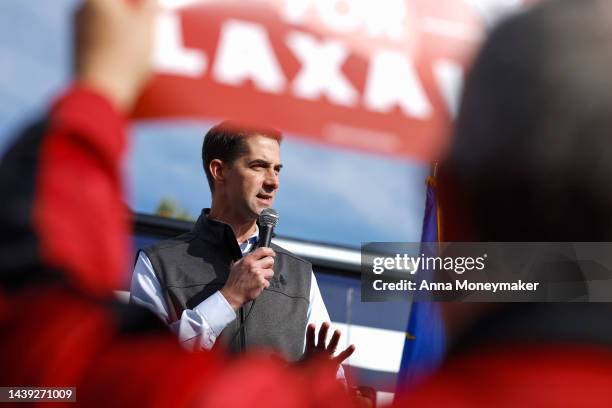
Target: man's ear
column 217, row 170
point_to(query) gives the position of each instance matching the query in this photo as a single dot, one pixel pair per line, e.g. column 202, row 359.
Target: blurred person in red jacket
column 64, row 248
column 531, row 162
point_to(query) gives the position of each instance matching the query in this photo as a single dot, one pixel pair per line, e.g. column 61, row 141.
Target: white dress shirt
column 198, row 328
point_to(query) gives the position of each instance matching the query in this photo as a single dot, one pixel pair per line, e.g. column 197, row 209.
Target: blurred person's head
column 532, row 153
column 242, row 164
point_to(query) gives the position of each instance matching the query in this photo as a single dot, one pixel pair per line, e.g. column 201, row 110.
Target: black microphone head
column 268, row 218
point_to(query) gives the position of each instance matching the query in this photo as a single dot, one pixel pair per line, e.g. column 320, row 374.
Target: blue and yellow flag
column 425, row 342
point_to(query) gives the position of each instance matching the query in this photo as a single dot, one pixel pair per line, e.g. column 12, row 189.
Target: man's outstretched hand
column 319, row 348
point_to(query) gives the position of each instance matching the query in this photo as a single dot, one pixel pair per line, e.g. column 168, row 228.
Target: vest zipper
column 242, row 330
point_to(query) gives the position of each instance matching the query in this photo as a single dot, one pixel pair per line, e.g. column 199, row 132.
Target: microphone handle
column 265, row 236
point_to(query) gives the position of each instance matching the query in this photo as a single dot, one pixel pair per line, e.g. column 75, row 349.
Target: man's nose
column 271, row 181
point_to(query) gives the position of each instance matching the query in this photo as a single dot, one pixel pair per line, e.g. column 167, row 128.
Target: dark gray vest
column 193, row 266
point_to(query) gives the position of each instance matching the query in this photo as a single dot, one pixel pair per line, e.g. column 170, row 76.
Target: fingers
column 333, row 343
column 267, row 273
column 345, row 354
column 262, row 253
column 113, row 46
column 263, row 268
column 323, row 335
column 310, row 336
column 149, row 5
column 264, row 263
column 261, row 258
column 320, row 348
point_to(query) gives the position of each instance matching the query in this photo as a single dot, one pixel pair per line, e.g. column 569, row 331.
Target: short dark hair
column 225, row 142
column 532, row 149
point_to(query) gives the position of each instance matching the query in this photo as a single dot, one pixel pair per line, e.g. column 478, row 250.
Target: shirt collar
column 250, row 243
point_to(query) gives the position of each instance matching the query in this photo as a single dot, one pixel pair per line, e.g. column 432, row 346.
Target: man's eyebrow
column 260, row 161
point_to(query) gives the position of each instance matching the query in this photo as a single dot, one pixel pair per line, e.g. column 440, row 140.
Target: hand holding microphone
column 251, row 275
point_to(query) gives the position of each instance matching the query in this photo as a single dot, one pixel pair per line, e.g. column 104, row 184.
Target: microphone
column 267, row 221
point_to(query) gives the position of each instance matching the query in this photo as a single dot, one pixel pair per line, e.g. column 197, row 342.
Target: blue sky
column 327, row 194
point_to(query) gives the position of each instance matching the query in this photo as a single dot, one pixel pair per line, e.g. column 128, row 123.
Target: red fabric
column 79, row 215
column 79, row 346
column 255, row 381
column 520, row 376
column 148, row 372
column 51, row 338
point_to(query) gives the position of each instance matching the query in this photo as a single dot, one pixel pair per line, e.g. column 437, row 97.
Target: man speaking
column 216, row 282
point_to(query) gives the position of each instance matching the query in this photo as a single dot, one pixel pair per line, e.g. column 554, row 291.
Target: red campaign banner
column 379, row 76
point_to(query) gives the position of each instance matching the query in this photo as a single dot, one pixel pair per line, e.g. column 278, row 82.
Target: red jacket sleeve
column 78, row 214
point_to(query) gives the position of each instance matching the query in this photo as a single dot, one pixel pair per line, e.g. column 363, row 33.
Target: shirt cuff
column 217, row 312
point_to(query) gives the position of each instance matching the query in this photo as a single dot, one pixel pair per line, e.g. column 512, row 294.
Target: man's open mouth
column 264, row 197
